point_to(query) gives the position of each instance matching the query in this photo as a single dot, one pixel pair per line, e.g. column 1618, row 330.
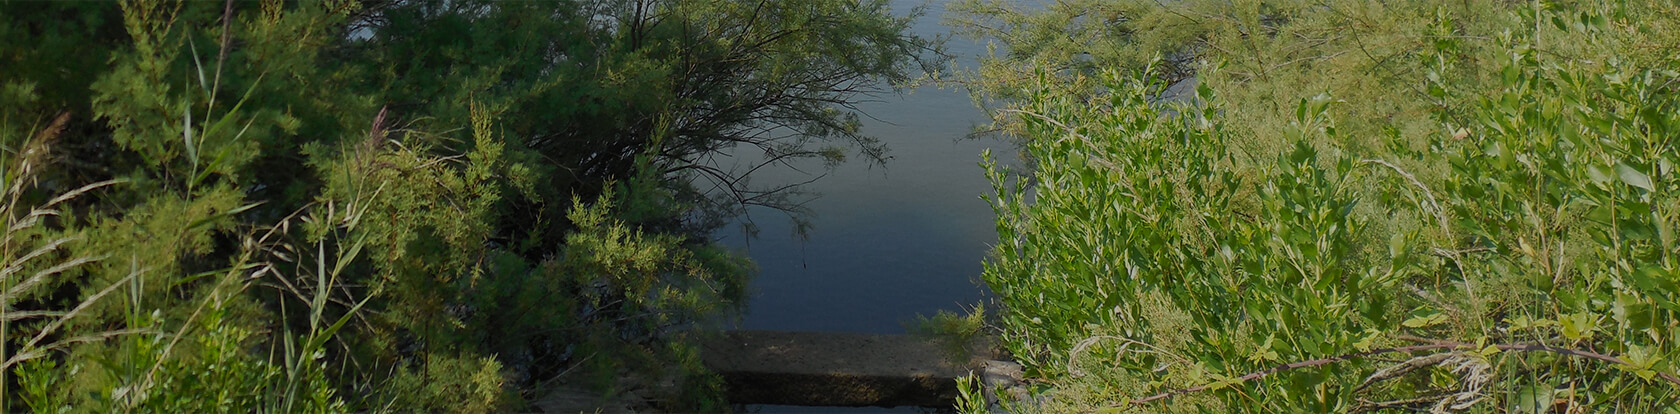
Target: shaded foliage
column 347, row 205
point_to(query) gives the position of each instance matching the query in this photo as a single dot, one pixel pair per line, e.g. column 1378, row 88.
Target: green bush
column 327, row 206
column 1485, row 224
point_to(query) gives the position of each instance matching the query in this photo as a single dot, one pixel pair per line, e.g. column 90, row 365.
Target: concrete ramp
column 840, row 369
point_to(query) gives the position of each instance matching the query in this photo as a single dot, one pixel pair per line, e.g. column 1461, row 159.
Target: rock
column 1002, row 376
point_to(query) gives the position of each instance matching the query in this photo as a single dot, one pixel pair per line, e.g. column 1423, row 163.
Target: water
column 891, row 242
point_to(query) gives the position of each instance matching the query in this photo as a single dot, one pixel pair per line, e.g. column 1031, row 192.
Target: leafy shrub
column 1235, row 255
column 326, row 205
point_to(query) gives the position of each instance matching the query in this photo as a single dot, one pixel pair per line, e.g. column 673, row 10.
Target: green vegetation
column 956, row 333
column 398, row 205
column 1362, row 207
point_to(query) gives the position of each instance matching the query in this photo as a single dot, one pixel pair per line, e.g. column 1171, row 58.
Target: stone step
column 842, row 369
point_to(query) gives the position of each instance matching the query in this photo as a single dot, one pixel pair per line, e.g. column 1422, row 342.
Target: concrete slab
column 839, row 369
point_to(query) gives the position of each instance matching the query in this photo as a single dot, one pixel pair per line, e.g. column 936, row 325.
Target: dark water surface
column 889, row 242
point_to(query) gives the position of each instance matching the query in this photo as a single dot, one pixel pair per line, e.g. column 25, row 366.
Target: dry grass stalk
column 19, row 252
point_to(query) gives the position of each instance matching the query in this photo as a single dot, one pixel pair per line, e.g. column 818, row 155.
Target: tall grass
column 31, row 256
column 154, row 372
column 152, row 377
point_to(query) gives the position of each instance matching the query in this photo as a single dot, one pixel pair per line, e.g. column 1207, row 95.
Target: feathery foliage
column 409, row 205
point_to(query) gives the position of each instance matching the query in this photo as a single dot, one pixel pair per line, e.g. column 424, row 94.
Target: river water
column 889, row 242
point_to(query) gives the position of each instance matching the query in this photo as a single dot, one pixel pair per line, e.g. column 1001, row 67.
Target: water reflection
column 889, row 243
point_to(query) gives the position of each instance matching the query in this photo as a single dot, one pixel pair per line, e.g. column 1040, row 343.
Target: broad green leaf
column 1368, row 341
column 1634, row 177
column 1598, row 174
column 1397, row 245
column 1577, row 326
column 1425, row 320
column 1532, row 399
